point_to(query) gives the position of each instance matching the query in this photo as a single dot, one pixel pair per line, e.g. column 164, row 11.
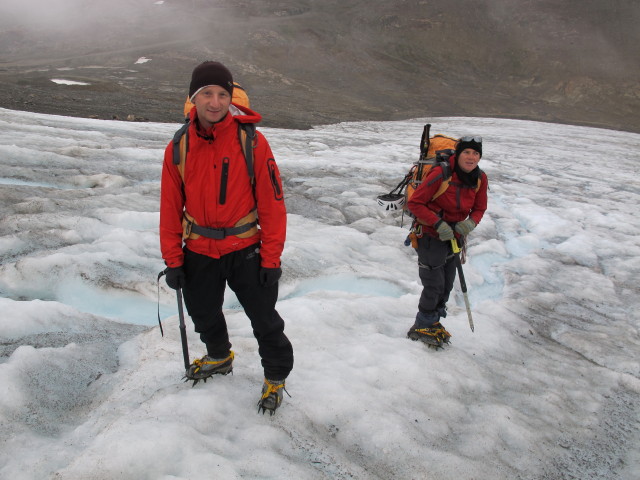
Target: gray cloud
column 68, row 15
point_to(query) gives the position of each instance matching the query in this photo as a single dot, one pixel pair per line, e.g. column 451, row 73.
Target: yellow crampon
column 436, row 333
column 271, row 396
column 271, row 388
column 204, row 367
column 429, row 331
column 442, row 334
column 199, row 363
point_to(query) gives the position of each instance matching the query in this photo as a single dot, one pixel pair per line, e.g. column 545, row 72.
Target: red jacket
column 200, row 196
column 456, row 204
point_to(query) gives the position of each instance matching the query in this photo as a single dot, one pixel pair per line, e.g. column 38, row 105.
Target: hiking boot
column 429, row 335
column 207, row 366
column 271, row 396
column 434, row 335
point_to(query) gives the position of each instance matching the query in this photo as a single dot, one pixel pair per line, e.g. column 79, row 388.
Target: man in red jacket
column 209, row 235
column 455, row 213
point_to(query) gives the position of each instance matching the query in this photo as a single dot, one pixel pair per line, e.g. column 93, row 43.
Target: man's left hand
column 269, row 276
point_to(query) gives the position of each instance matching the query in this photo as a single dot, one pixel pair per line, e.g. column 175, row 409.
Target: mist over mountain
column 309, row 62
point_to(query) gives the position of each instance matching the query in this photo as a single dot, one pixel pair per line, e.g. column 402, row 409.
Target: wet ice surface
column 546, row 387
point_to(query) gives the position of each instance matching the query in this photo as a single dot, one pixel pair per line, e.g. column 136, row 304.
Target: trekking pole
column 183, row 331
column 463, row 284
column 425, row 141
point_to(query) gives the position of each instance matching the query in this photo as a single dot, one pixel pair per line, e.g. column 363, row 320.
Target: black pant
column 437, row 272
column 206, row 280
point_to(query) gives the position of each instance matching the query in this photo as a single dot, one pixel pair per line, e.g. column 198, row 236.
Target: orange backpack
column 434, row 151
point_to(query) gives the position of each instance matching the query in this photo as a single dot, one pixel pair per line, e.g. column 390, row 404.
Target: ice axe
column 183, row 330
column 463, row 284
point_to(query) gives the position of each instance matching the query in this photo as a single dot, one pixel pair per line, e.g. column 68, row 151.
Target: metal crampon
column 435, row 336
column 271, row 396
column 205, row 367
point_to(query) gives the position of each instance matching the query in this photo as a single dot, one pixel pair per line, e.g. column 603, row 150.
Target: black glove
column 269, row 276
column 444, row 230
column 175, row 277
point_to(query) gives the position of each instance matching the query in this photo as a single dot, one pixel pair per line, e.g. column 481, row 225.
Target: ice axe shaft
column 463, row 284
column 183, row 331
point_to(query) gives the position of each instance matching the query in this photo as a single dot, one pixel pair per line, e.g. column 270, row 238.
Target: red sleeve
column 272, row 213
column 171, row 208
column 417, row 205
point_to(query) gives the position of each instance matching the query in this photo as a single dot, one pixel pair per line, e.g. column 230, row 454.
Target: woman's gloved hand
column 445, row 233
column 465, row 227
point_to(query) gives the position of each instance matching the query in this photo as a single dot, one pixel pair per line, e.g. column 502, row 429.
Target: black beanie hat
column 469, row 142
column 210, row 73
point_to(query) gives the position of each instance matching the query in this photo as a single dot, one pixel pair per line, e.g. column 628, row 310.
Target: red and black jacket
column 459, row 201
column 217, row 192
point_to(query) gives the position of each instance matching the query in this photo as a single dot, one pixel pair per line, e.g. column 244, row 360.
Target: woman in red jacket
column 209, row 235
column 455, row 213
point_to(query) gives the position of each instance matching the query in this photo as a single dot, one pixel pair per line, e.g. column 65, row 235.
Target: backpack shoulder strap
column 181, row 147
column 246, row 134
column 248, row 138
column 446, row 178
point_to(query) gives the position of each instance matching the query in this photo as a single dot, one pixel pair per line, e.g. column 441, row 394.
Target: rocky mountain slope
column 308, row 62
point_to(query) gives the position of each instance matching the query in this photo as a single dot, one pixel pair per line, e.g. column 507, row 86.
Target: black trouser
column 206, row 280
column 437, row 272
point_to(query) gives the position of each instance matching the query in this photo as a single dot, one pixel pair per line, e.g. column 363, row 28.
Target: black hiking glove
column 465, row 227
column 269, row 276
column 175, row 277
column 445, row 233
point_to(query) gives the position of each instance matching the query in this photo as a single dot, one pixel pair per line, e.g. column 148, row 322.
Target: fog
column 571, row 62
column 77, row 25
column 66, row 15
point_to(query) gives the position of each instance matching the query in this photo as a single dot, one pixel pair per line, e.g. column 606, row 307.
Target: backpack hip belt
column 246, row 227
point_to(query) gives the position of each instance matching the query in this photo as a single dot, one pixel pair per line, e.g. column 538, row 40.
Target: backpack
column 434, row 151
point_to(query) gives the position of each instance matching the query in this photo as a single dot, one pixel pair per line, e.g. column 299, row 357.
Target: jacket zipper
column 223, row 180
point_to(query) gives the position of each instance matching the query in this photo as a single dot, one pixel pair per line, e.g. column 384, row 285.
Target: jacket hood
column 244, row 114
